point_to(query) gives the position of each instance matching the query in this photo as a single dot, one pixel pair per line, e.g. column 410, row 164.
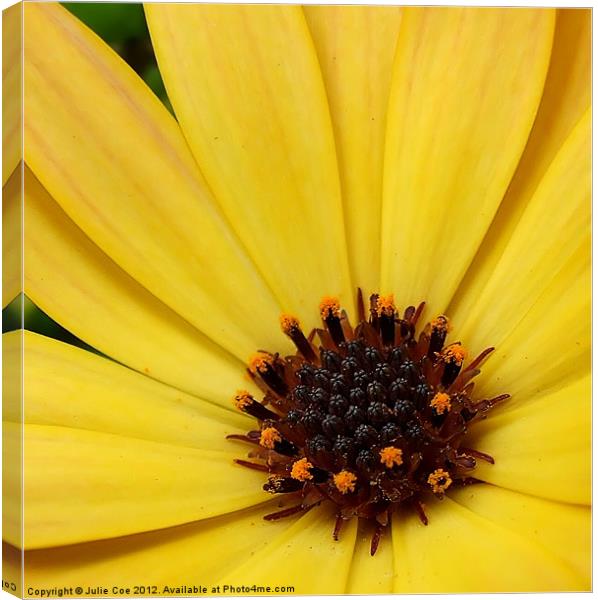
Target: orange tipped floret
column 242, row 399
column 260, row 362
column 330, row 307
column 290, row 326
column 440, row 323
column 391, row 456
column 288, row 323
column 269, row 437
column 301, row 469
column 455, row 353
column 441, row 403
column 385, row 305
column 345, row 482
column 439, row 481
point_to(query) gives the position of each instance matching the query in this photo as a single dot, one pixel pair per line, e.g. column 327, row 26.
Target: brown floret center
column 370, row 418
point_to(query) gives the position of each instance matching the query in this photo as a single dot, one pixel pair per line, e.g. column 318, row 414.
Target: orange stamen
column 441, row 403
column 259, row 362
column 269, row 437
column 454, row 353
column 330, row 307
column 345, row 482
column 288, row 323
column 301, row 469
column 391, row 456
column 439, row 481
column 242, row 399
column 386, row 305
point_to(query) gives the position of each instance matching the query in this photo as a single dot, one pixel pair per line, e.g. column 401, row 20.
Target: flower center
column 370, row 418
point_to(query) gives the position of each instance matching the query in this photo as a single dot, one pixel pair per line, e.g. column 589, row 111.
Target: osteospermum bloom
column 437, row 155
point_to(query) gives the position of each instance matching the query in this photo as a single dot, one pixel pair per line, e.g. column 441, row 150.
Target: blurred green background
column 124, row 28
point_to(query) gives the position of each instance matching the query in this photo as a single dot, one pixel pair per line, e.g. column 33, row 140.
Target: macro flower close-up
column 335, row 297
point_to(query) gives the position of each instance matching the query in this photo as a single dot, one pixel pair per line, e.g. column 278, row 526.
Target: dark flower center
column 371, row 417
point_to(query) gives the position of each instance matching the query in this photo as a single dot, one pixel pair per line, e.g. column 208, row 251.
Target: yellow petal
column 466, row 87
column 12, row 480
column 303, row 556
column 246, row 87
column 460, row 552
column 549, row 232
column 356, row 48
column 551, row 345
column 73, row 281
column 70, row 387
column 124, row 174
column 12, row 381
column 12, row 445
column 12, row 242
column 12, row 96
column 83, row 485
column 565, row 99
column 371, row 574
column 193, row 554
column 564, row 529
column 543, row 447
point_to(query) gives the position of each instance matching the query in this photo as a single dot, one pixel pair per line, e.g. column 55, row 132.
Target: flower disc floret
column 301, row 470
column 391, row 457
column 439, row 481
column 269, row 437
column 329, row 307
column 386, row 305
column 441, row 403
column 345, row 482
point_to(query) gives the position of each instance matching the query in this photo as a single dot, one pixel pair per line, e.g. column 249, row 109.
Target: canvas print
column 297, row 299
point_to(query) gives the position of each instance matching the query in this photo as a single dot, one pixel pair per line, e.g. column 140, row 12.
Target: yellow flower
column 432, row 154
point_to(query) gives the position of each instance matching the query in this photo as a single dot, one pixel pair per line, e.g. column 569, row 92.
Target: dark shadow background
column 124, row 28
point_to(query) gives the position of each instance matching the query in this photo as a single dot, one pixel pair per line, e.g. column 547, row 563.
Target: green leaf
column 114, row 22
